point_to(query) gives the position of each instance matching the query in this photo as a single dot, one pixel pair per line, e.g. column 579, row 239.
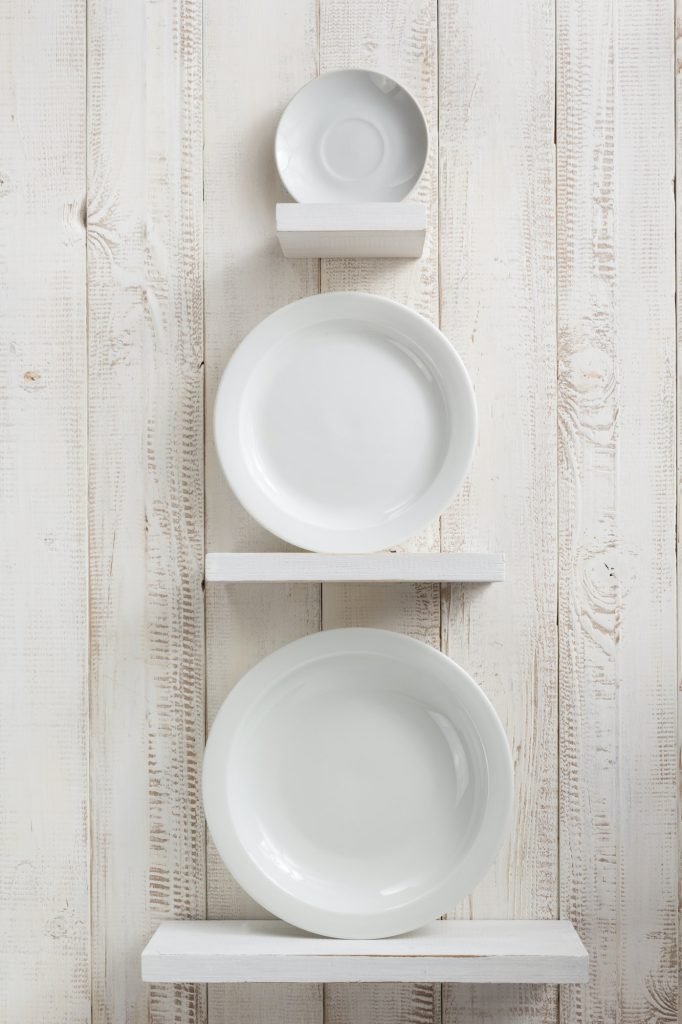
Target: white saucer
column 345, row 422
column 357, row 783
column 351, row 136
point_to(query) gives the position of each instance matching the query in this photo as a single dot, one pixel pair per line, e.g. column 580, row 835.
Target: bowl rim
column 495, row 819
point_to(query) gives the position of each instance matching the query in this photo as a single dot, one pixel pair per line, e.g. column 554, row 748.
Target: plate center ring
column 352, row 148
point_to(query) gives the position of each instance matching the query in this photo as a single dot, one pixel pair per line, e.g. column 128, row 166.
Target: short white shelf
column 532, row 952
column 301, row 567
column 308, row 230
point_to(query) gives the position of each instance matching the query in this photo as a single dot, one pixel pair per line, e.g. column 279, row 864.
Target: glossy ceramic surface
column 357, row 783
column 345, row 422
column 351, row 136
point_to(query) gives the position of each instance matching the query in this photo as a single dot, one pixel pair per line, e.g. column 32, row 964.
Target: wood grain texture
column 124, row 466
column 398, row 38
column 615, row 131
column 678, row 277
column 146, row 492
column 246, row 277
column 45, row 938
column 497, row 286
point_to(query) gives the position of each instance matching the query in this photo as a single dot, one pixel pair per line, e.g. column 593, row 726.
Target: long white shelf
column 260, row 567
column 532, row 952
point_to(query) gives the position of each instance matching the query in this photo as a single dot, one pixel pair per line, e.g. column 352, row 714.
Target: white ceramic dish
column 345, row 422
column 351, row 136
column 357, row 783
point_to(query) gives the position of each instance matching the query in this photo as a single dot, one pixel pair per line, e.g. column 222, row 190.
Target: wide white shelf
column 233, row 567
column 535, row 952
column 308, row 230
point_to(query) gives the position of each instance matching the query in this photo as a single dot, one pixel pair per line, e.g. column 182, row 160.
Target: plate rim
column 343, row 71
column 496, row 818
column 298, row 532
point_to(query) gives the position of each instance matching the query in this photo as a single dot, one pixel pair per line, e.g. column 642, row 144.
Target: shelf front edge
column 303, row 567
column 493, row 952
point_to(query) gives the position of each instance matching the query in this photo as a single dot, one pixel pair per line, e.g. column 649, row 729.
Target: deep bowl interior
column 351, row 793
column 357, row 783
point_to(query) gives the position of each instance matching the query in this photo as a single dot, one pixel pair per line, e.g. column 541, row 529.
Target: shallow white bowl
column 345, row 422
column 351, row 136
column 357, row 783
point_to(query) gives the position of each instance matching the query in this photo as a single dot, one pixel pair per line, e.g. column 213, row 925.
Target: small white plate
column 345, row 422
column 351, row 136
column 357, row 783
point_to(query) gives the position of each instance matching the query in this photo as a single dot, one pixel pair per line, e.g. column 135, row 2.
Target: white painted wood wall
column 137, row 247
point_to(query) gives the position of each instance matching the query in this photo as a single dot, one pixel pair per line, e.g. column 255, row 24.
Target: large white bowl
column 345, row 422
column 357, row 783
column 351, row 136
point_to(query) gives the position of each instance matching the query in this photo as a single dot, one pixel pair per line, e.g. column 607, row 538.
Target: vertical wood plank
column 678, row 296
column 398, row 37
column 497, row 265
column 615, row 107
column 45, row 938
column 257, row 54
column 146, row 492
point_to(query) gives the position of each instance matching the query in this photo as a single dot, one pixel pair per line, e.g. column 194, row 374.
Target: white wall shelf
column 529, row 952
column 351, row 229
column 266, row 567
